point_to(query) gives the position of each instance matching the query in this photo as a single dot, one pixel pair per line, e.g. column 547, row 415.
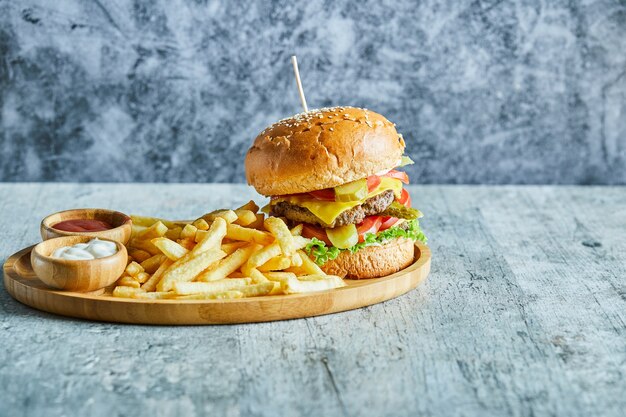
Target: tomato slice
column 373, row 181
column 327, row 194
column 405, row 198
column 399, row 175
column 310, row 231
column 388, row 222
column 371, row 224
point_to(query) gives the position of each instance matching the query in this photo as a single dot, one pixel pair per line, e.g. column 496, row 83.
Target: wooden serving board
column 23, row 285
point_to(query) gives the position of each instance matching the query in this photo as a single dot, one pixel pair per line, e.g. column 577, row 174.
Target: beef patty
column 355, row 215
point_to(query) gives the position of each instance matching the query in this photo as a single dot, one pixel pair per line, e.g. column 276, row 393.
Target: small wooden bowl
column 80, row 276
column 122, row 224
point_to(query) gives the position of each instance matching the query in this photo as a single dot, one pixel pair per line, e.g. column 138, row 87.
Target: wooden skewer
column 294, row 61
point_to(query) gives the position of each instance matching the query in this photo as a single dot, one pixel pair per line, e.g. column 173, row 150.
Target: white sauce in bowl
column 94, row 249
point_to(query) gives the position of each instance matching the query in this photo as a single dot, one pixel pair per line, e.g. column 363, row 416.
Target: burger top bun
column 322, row 149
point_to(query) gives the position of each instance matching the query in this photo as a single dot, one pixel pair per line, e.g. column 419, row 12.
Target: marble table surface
column 524, row 314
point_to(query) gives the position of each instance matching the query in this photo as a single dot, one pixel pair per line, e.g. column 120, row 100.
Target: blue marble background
column 173, row 91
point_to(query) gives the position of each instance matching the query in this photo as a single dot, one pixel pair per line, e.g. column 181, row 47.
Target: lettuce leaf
column 322, row 253
column 405, row 161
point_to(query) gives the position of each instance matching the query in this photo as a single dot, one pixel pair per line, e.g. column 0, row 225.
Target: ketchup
column 83, row 225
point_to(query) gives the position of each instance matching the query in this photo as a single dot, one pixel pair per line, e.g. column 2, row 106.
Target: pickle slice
column 398, row 210
column 343, row 237
column 352, row 191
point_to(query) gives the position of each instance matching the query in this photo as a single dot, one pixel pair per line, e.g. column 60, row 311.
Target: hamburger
column 335, row 171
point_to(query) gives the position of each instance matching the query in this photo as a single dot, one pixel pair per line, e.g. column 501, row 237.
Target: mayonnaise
column 94, row 249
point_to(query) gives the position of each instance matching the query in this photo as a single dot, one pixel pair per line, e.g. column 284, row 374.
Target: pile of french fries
column 224, row 254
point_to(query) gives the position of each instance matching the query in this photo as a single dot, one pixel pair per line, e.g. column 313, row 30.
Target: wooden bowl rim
column 80, row 239
column 45, row 222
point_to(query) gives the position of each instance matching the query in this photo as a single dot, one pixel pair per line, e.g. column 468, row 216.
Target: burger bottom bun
column 373, row 261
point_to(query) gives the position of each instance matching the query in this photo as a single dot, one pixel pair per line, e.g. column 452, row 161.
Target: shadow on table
column 9, row 306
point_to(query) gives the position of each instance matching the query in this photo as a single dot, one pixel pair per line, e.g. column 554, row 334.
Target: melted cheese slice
column 328, row 211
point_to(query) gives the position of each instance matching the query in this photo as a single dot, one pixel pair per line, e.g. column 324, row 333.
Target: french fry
column 151, row 283
column 157, row 295
column 142, row 277
column 237, row 274
column 213, row 239
column 149, row 221
column 133, row 269
column 200, row 234
column 233, row 246
column 201, row 224
column 128, row 281
column 256, row 290
column 281, row 232
column 279, row 276
column 226, row 295
column 152, row 264
column 174, row 233
column 187, row 243
column 181, row 224
column 278, row 289
column 126, row 292
column 135, row 230
column 308, row 265
column 143, row 221
column 257, row 276
column 237, row 232
column 250, row 205
column 186, row 288
column 296, row 260
column 156, row 230
column 138, row 254
column 188, row 267
column 276, row 264
column 229, row 264
column 144, row 245
column 171, row 249
column 228, row 215
column 244, row 217
column 293, row 285
column 301, row 242
column 189, row 231
column 262, row 256
column 313, row 277
column 258, row 223
column 297, row 230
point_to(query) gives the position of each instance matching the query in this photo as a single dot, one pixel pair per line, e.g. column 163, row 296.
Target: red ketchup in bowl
column 83, row 225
